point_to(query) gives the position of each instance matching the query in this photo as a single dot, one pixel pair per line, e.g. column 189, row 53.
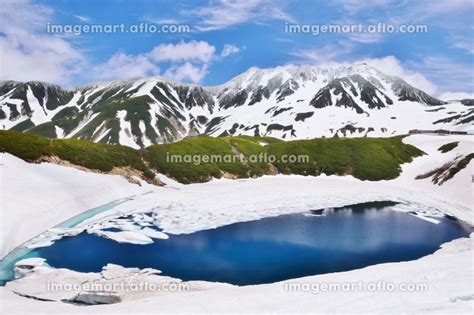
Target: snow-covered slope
column 35, row 196
column 291, row 102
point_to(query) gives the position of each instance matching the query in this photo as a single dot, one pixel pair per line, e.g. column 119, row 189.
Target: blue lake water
column 270, row 249
column 18, row 253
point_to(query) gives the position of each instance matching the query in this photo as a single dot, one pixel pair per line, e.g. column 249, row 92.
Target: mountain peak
column 255, row 76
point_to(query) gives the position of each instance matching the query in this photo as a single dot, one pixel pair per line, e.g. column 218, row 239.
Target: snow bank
column 459, row 189
column 113, row 284
column 35, row 197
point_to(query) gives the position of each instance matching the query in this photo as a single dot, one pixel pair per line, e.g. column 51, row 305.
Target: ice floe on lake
column 134, row 228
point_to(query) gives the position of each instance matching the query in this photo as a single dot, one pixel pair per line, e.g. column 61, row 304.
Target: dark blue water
column 271, row 249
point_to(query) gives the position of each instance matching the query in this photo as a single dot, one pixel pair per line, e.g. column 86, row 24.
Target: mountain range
column 290, row 102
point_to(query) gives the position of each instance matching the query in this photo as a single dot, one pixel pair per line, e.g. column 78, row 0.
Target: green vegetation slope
column 199, row 159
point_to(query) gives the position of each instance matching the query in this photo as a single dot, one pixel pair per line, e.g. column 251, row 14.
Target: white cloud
column 199, row 51
column 82, row 18
column 226, row 13
column 187, row 72
column 392, row 66
column 166, row 21
column 449, row 74
column 27, row 15
column 184, row 61
column 28, row 53
column 355, row 6
column 464, row 43
column 284, row 40
column 123, row 66
column 448, row 96
column 366, row 38
column 437, row 8
column 229, row 49
column 329, row 56
column 407, row 10
column 325, row 55
column 455, row 16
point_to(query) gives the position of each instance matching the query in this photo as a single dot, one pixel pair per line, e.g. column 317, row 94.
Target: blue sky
column 228, row 37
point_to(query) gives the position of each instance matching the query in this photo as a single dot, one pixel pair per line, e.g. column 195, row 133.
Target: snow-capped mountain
column 291, row 102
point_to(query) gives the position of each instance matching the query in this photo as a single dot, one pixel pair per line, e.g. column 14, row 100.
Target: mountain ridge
column 287, row 102
column 291, row 68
